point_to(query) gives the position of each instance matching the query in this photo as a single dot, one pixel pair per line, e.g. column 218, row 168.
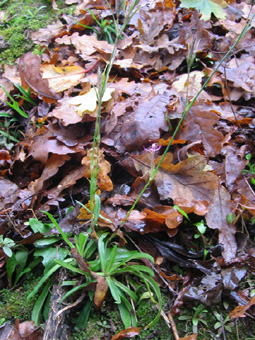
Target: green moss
column 13, row 302
column 19, row 25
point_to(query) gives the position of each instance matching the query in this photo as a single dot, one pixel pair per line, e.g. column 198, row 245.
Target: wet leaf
column 128, row 333
column 199, row 126
column 239, row 311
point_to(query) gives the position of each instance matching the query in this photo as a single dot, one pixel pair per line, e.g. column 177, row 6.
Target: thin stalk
column 102, row 85
column 187, row 108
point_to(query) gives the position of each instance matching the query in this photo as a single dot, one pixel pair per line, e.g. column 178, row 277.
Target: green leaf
column 10, row 267
column 39, row 303
column 125, row 314
column 41, row 282
column 231, row 218
column 97, row 206
column 133, row 256
column 125, row 289
column 46, row 240
column 110, row 261
column 201, row 226
column 71, row 267
column 21, row 259
column 84, row 315
column 133, row 270
column 7, row 251
column 75, row 289
column 50, row 254
column 59, row 229
column 102, row 251
column 38, row 226
column 206, row 7
column 176, row 207
column 114, row 290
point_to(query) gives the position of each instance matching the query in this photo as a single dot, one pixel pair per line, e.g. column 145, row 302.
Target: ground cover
column 127, row 164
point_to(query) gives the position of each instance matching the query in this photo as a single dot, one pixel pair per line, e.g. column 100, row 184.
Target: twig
column 70, row 306
column 175, row 332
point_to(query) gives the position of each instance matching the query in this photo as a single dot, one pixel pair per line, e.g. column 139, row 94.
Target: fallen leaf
column 62, row 78
column 86, row 45
column 187, row 178
column 44, row 143
column 239, row 311
column 29, row 68
column 216, row 218
column 129, row 333
column 143, row 125
column 88, row 102
column 207, row 7
column 199, row 126
column 103, row 180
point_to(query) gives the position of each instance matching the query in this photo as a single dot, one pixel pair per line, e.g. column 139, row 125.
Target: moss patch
column 13, row 302
column 21, row 19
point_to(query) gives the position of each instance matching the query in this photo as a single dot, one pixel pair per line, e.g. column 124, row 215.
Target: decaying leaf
column 62, row 78
column 87, row 103
column 103, row 180
column 29, row 68
column 199, row 125
column 239, row 311
column 216, row 218
column 128, row 333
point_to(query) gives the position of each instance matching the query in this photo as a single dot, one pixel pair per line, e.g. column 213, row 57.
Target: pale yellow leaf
column 88, row 102
column 62, row 78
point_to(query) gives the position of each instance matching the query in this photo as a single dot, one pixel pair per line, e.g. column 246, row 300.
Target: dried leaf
column 103, row 180
column 62, row 78
column 187, row 178
column 29, row 68
column 199, row 126
column 87, row 102
column 216, row 218
column 239, row 311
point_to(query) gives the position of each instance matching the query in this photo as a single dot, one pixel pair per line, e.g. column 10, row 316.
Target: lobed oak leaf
column 199, row 126
column 207, row 7
column 187, row 178
column 88, row 102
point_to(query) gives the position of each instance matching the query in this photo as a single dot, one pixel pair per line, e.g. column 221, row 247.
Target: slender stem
column 187, row 108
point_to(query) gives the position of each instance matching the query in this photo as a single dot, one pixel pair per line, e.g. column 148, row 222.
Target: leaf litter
column 202, row 177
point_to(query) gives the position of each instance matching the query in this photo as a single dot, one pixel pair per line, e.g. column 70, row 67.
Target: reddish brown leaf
column 101, row 290
column 239, row 311
column 44, row 143
column 29, row 68
column 199, row 126
column 4, row 155
column 127, row 333
column 216, row 218
column 143, row 125
column 187, row 178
